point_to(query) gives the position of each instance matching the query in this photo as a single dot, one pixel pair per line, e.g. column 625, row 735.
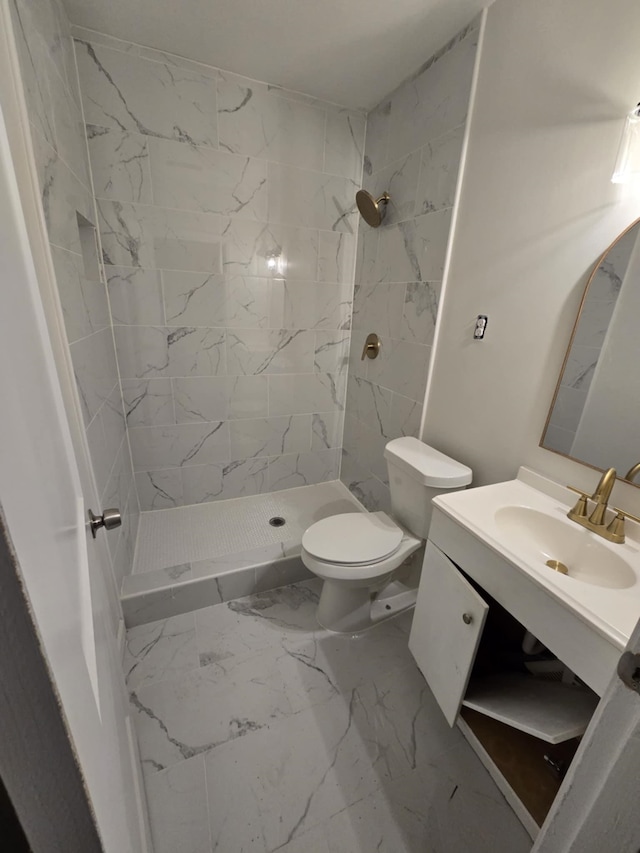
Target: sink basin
column 546, row 538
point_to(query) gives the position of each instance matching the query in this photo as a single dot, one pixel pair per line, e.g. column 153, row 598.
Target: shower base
column 195, row 556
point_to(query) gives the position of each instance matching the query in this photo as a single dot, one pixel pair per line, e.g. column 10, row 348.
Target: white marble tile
column 178, row 809
column 400, row 180
column 94, row 366
column 269, row 351
column 203, row 179
column 156, row 238
column 170, row 59
column 159, row 489
column 274, row 250
column 255, row 120
column 63, row 196
column 215, row 300
column 311, row 199
column 148, row 402
column 593, row 324
column 201, row 399
column 135, row 296
column 344, row 144
column 34, row 69
column 232, row 583
column 303, row 469
column 414, row 250
column 273, row 576
column 420, row 312
column 559, row 439
column 433, row 102
column 175, row 446
column 336, row 256
column 376, row 143
column 331, row 352
column 151, row 98
column 370, row 491
column 568, row 407
column 580, row 367
column 236, row 479
column 326, row 430
column 366, row 255
column 160, row 650
column 69, row 138
column 401, row 367
column 84, row 303
column 295, row 781
column 305, row 393
column 378, row 307
column 439, row 166
column 119, row 164
column 149, row 351
column 201, row 710
column 142, row 582
column 302, row 305
column 270, row 436
column 113, row 421
column 101, row 459
column 248, row 396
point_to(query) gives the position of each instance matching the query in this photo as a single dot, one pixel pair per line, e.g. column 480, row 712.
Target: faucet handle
column 624, row 514
column 616, row 527
column 580, row 510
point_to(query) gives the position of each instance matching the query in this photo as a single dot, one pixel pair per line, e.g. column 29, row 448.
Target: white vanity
column 485, row 578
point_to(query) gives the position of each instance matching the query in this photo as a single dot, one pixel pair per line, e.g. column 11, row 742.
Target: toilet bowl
column 359, row 555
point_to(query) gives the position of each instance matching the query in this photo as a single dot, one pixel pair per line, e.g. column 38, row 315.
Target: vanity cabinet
column 526, row 729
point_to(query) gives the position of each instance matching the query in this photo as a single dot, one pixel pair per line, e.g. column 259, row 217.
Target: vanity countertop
column 488, row 513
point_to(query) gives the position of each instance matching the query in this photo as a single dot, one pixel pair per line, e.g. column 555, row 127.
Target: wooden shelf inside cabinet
column 549, row 710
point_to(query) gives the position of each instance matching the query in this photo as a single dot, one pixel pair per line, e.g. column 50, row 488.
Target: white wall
column 556, row 79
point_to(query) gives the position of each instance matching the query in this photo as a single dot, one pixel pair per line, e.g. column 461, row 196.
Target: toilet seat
column 353, row 539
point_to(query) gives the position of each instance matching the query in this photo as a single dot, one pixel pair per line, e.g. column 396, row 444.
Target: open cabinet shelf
column 549, row 710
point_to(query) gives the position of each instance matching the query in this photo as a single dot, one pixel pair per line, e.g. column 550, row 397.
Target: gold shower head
column 372, row 209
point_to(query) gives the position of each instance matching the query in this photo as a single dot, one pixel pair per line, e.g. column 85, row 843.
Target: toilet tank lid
column 426, row 464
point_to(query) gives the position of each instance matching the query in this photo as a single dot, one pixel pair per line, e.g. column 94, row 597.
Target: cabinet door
column 447, row 625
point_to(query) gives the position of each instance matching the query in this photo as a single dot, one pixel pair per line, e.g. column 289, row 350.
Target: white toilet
column 357, row 554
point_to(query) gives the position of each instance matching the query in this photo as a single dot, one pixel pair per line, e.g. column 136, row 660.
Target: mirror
column 595, row 413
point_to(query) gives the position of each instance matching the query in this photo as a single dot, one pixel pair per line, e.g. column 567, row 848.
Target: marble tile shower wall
column 413, row 150
column 228, row 226
column 48, row 70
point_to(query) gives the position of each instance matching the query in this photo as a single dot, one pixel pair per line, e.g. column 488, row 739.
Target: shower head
column 372, row 209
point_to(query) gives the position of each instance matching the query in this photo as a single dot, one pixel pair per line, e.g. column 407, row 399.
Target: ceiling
column 352, row 52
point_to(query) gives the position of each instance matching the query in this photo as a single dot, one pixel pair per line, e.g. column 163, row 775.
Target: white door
column 46, row 488
column 596, row 810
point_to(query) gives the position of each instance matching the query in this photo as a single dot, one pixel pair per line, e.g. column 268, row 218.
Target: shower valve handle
column 371, row 346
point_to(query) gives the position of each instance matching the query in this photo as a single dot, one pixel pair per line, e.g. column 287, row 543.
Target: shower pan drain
column 277, row 521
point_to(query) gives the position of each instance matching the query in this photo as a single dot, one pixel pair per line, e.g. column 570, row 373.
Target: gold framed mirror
column 594, row 416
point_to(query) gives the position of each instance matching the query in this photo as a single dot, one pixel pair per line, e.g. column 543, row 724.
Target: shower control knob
column 110, row 519
column 467, row 618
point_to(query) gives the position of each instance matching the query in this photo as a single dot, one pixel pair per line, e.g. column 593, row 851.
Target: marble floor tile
column 297, row 740
column 268, row 789
column 160, row 650
column 178, row 811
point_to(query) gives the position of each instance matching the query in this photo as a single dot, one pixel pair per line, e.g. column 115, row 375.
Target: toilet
column 358, row 555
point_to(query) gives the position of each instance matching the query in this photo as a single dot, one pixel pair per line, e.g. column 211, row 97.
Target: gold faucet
column 597, row 521
column 632, row 472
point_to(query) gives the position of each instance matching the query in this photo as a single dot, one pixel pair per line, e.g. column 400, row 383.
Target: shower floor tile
column 259, row 731
column 176, row 537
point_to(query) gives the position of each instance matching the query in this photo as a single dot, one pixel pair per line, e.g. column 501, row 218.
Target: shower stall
column 215, row 275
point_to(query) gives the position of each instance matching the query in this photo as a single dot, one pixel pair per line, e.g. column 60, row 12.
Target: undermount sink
column 548, row 539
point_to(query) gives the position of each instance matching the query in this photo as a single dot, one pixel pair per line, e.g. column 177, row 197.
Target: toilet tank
column 417, row 473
